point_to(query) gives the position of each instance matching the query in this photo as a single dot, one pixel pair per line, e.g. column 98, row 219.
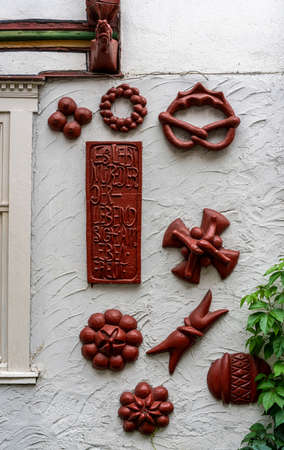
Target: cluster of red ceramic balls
column 146, row 409
column 110, row 340
column 58, row 120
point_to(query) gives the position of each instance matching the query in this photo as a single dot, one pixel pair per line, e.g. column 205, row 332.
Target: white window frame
column 18, row 103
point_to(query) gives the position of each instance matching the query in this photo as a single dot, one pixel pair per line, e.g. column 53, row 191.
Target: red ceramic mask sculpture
column 120, row 123
column 201, row 247
column 104, row 49
column 111, row 340
column 67, row 107
column 113, row 194
column 146, row 409
column 199, row 96
column 184, row 337
column 231, row 378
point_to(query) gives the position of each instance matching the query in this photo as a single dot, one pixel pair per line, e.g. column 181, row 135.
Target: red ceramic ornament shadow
column 145, row 410
column 201, row 247
column 185, row 336
column 231, row 378
column 199, row 96
column 111, row 340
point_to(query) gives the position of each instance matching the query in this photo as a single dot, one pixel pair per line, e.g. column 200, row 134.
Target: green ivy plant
column 265, row 325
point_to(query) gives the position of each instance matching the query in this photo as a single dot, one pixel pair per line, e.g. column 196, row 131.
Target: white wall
column 73, row 406
column 172, row 36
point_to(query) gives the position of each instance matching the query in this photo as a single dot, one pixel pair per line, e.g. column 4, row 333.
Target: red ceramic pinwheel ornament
column 201, row 247
column 184, row 337
column 111, row 340
column 199, row 96
column 146, row 409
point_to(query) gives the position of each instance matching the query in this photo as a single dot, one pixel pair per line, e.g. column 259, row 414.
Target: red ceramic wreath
column 121, row 123
column 110, row 340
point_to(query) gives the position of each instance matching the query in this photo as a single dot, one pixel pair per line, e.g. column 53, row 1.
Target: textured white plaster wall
column 177, row 36
column 73, row 406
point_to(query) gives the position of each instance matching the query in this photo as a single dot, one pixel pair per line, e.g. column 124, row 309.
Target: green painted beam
column 36, row 35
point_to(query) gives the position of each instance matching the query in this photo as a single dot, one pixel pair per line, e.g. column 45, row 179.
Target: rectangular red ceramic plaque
column 114, row 191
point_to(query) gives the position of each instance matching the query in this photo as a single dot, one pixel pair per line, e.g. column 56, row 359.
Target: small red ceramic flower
column 146, row 409
column 110, row 340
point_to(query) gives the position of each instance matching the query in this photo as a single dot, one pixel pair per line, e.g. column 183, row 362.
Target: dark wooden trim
column 46, row 49
column 24, row 78
column 78, row 74
column 42, row 24
column 48, row 24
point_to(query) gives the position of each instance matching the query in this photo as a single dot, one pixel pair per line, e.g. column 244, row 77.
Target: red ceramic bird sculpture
column 184, row 337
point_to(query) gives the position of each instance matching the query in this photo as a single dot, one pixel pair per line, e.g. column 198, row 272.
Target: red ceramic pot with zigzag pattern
column 231, row 378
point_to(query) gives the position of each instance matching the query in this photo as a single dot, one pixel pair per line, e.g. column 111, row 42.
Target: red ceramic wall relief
column 102, row 9
column 104, row 49
column 114, row 189
column 231, row 378
column 199, row 96
column 111, row 340
column 67, row 107
column 184, row 337
column 146, row 409
column 201, row 247
column 121, row 123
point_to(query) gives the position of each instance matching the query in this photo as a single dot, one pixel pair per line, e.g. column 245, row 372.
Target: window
column 18, row 102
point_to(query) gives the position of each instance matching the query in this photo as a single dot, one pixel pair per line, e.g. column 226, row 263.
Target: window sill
column 18, row 377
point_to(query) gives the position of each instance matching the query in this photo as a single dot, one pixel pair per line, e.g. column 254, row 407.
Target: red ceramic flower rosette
column 146, row 409
column 111, row 340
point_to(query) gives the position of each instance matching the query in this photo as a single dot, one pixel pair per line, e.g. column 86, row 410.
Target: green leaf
column 249, row 436
column 280, row 390
column 255, row 344
column 273, row 278
column 280, row 298
column 266, row 323
column 279, row 418
column 267, row 400
column 259, row 305
column 278, row 314
column 272, row 269
column 260, row 445
column 254, row 318
column 279, row 400
column 260, row 377
column 278, row 346
column 244, row 299
column 278, row 368
column 282, row 278
column 279, row 434
column 268, row 350
column 277, row 328
column 257, row 428
column 266, row 385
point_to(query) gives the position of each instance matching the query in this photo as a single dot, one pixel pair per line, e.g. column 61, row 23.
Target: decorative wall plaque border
column 113, row 194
